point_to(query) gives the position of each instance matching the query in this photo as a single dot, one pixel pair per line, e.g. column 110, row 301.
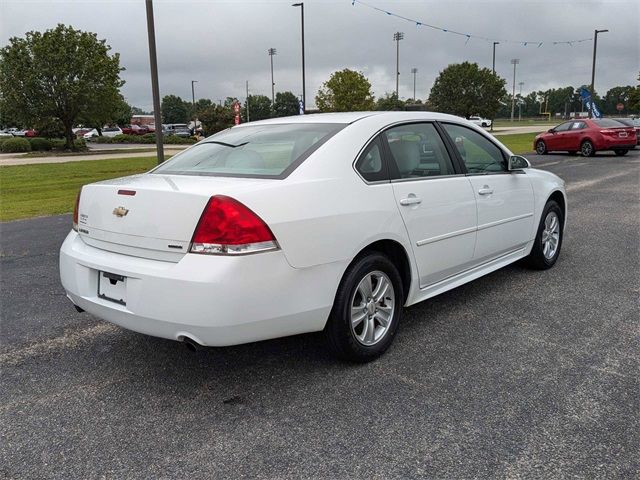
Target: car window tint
column 371, row 165
column 577, row 125
column 563, row 127
column 479, row 154
column 265, row 151
column 418, row 151
column 608, row 123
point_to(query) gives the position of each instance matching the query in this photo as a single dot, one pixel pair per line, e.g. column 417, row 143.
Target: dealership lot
column 519, row 373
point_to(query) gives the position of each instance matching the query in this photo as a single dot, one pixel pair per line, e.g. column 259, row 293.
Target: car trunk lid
column 150, row 215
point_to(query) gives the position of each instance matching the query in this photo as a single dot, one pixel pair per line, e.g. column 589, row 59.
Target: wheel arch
column 559, row 197
column 398, row 255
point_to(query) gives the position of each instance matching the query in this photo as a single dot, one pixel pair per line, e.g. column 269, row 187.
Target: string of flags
column 469, row 36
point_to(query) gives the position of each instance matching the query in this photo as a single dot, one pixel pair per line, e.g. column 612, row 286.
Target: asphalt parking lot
column 520, row 374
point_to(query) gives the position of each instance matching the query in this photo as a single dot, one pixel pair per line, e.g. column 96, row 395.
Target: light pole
column 514, row 62
column 520, row 84
column 272, row 52
column 593, row 70
column 414, row 70
column 494, row 57
column 155, row 89
column 304, row 98
column 248, row 120
column 397, row 37
column 193, row 102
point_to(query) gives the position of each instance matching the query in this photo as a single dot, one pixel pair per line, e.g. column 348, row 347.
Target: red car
column 587, row 136
column 135, row 130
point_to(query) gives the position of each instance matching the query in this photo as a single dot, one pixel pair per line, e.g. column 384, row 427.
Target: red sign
column 236, row 110
column 620, row 107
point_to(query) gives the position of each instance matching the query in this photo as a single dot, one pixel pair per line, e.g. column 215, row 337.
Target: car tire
column 541, row 147
column 621, row 152
column 361, row 335
column 548, row 241
column 587, row 149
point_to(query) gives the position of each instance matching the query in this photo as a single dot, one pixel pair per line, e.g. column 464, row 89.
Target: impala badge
column 120, row 211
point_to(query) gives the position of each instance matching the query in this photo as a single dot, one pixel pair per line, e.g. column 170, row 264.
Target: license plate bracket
column 112, row 287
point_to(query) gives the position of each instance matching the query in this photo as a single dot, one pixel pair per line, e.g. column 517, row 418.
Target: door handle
column 410, row 200
column 486, row 190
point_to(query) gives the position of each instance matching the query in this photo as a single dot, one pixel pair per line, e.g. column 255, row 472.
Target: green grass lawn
column 525, row 122
column 518, row 143
column 51, row 188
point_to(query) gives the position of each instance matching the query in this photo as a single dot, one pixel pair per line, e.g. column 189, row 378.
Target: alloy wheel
column 372, row 308
column 551, row 235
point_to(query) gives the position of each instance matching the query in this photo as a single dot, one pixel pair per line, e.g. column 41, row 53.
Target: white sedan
column 329, row 222
column 482, row 122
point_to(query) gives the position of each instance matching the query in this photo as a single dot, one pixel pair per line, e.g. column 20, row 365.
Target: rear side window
column 578, row 125
column 608, row 123
column 479, row 154
column 260, row 151
column 418, row 151
column 371, row 165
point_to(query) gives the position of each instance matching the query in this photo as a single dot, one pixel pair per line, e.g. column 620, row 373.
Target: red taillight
column 74, row 225
column 227, row 227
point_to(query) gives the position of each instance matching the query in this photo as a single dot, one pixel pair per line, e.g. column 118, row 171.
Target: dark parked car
column 587, row 136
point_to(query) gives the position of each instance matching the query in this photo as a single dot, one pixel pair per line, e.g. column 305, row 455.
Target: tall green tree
column 617, row 95
column 59, row 74
column 174, row 109
column 216, row 118
column 259, row 107
column 345, row 91
column 465, row 89
column 286, row 104
column 116, row 113
column 390, row 101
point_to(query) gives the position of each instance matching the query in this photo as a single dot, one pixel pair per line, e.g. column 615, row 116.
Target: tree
column 345, row 91
column 60, row 74
column 139, row 111
column 286, row 104
column 259, row 107
column 174, row 109
column 614, row 96
column 216, row 118
column 634, row 98
column 115, row 113
column 390, row 101
column 465, row 89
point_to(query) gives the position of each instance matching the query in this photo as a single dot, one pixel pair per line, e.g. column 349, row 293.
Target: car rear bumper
column 611, row 144
column 214, row 300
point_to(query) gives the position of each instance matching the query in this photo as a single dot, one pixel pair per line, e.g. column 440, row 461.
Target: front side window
column 260, row 151
column 418, row 151
column 479, row 154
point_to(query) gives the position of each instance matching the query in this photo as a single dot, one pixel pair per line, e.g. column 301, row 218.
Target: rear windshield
column 261, row 151
column 608, row 123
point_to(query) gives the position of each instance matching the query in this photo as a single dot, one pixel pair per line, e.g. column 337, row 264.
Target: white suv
column 482, row 122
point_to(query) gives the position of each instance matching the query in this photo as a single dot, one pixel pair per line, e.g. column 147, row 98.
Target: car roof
column 350, row 117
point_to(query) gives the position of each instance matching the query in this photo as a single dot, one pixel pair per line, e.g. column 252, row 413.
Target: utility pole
column 397, row 37
column 514, row 62
column 155, row 89
column 520, row 84
column 414, row 70
column 272, row 52
column 593, row 70
column 248, row 118
column 494, row 57
column 193, row 102
column 304, row 98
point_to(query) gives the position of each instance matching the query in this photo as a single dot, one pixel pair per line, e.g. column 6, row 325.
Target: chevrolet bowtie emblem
column 120, row 211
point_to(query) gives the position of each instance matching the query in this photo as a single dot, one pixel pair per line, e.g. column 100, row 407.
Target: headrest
column 241, row 158
column 407, row 155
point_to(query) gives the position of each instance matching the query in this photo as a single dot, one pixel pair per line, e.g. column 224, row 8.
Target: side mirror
column 517, row 162
column 552, row 130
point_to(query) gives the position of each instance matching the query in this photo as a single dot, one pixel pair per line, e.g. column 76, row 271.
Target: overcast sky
column 221, row 44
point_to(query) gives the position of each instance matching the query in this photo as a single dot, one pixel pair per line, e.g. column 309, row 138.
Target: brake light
column 227, row 227
column 74, row 225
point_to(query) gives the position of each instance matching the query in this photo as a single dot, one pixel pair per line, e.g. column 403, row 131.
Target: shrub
column 16, row 145
column 80, row 144
column 40, row 144
column 57, row 143
column 175, row 140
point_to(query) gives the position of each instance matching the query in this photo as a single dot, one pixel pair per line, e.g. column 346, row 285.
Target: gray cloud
column 224, row 43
